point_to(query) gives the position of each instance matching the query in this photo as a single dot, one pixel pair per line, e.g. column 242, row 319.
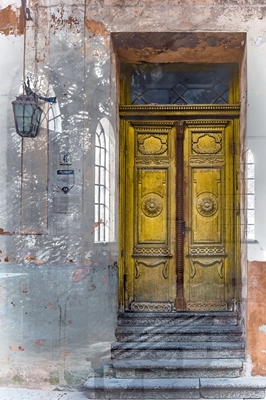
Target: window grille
column 250, row 195
column 101, row 185
column 162, row 86
column 54, row 114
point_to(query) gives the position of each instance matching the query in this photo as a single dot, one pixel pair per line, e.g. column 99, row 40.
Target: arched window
column 104, row 182
column 250, row 195
column 54, row 114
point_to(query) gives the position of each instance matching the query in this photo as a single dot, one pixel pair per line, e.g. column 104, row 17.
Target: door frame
column 178, row 113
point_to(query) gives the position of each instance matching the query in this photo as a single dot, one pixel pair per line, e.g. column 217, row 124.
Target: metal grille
column 101, row 186
column 250, row 195
column 159, row 86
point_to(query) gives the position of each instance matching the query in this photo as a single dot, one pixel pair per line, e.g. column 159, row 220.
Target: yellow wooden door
column 148, row 221
column 178, row 206
column 210, row 210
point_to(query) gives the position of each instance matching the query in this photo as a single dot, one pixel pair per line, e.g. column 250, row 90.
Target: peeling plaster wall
column 58, row 289
column 256, row 346
column 11, row 18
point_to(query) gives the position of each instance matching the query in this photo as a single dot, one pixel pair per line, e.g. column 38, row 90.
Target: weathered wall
column 58, row 287
column 257, row 317
column 56, row 323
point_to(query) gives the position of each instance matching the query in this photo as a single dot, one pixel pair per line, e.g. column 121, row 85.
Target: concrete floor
column 28, row 394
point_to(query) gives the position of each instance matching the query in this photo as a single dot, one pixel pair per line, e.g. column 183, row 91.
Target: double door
column 179, row 214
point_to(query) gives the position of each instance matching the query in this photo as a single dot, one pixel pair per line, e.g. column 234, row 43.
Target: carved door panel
column 178, row 221
column 209, row 212
column 149, row 225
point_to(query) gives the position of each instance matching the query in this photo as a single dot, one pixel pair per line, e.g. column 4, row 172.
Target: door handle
column 183, row 229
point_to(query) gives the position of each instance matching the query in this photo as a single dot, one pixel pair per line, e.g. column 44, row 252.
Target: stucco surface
column 58, row 288
column 57, row 323
column 256, row 334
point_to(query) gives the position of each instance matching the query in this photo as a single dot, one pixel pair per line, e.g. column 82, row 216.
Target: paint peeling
column 95, row 27
column 260, row 41
column 63, row 20
column 38, row 262
column 16, row 347
column 80, row 273
column 3, row 232
column 40, row 342
column 51, row 306
column 262, row 328
column 11, row 21
column 257, row 315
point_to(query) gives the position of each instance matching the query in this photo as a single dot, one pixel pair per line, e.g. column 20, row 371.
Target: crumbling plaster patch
column 179, row 47
column 63, row 18
column 11, row 21
column 95, row 27
column 175, row 16
column 256, row 323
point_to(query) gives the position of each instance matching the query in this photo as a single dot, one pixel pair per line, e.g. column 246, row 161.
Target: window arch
column 54, row 114
column 250, row 195
column 104, row 183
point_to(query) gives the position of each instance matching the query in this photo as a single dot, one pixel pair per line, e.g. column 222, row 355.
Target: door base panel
column 151, row 306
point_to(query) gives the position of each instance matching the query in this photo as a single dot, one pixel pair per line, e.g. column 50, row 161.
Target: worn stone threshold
column 194, row 388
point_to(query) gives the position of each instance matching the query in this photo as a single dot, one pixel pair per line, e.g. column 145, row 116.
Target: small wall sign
column 65, row 158
column 65, row 179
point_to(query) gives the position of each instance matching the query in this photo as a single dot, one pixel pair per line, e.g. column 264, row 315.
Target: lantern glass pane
column 36, row 117
column 23, row 124
column 28, row 109
column 19, row 110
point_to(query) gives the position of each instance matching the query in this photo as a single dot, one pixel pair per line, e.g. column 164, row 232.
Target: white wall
column 256, row 136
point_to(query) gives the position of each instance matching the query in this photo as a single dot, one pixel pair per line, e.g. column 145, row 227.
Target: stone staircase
column 177, row 355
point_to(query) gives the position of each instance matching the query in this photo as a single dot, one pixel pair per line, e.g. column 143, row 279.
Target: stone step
column 229, row 333
column 101, row 388
column 176, row 350
column 244, row 387
column 177, row 318
column 202, row 368
column 215, row 388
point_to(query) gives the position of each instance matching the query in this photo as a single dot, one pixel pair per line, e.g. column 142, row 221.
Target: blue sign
column 65, row 179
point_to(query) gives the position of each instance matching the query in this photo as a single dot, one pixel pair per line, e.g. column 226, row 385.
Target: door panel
column 152, row 206
column 209, row 214
column 206, row 195
column 149, row 241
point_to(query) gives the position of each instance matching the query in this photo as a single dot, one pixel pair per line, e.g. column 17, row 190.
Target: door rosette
column 152, row 205
column 207, row 204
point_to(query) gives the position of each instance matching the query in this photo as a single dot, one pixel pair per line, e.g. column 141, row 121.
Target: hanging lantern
column 27, row 115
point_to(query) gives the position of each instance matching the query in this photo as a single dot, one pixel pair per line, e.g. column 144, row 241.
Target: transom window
column 180, row 84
